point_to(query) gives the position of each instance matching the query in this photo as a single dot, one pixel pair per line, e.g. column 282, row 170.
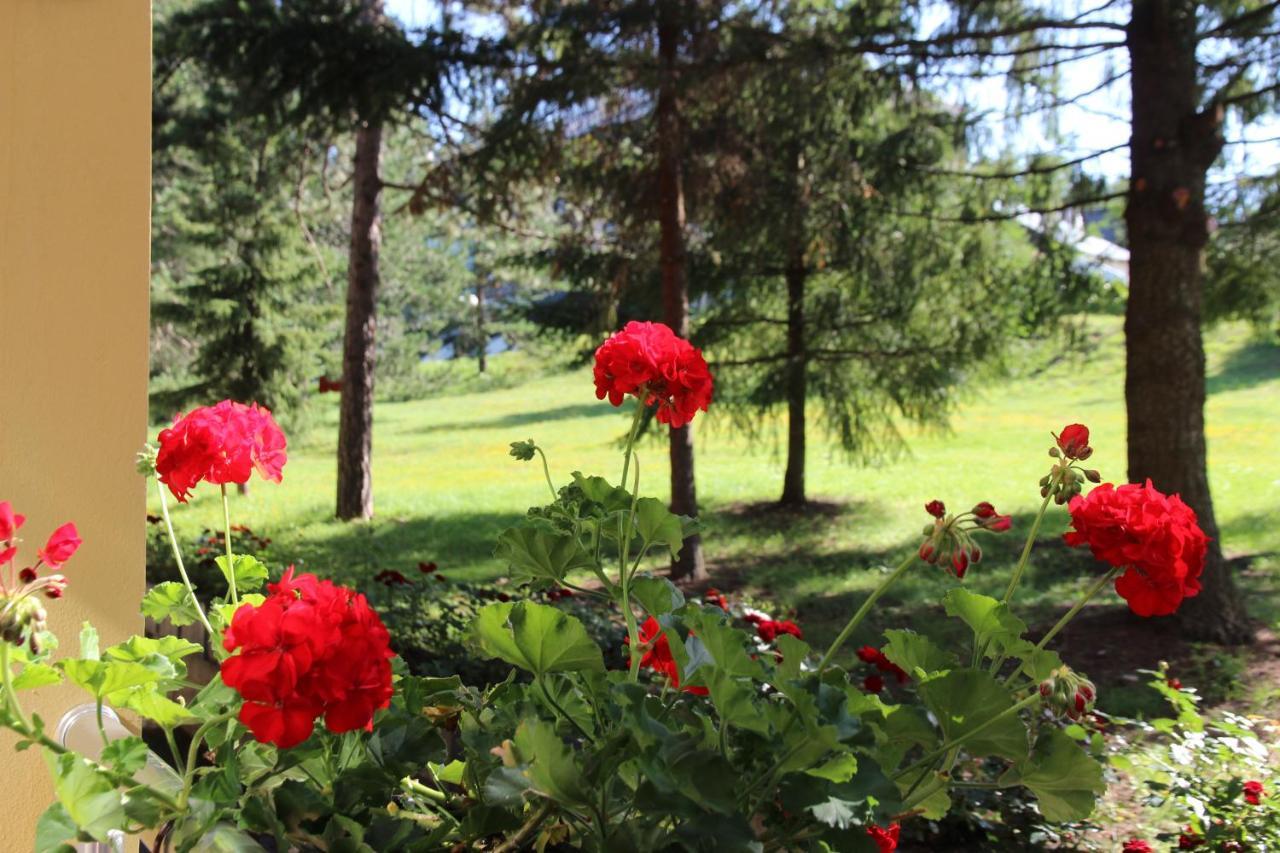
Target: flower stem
column 969, row 735
column 631, row 441
column 226, row 528
column 177, row 555
column 1031, row 541
column 1071, row 614
column 546, row 471
column 193, row 754
column 864, row 610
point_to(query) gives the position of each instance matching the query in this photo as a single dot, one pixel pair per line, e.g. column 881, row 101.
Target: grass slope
column 445, row 486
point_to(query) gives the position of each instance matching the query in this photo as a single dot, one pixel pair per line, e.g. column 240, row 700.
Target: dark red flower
column 61, row 546
column 1154, row 537
column 426, row 568
column 311, row 649
column 657, row 656
column 984, row 510
column 769, row 630
column 886, row 839
column 873, row 684
column 999, row 524
column 872, row 655
column 10, row 521
column 960, row 562
column 650, row 362
column 220, row 444
column 1136, row 845
column 1254, row 792
column 1189, row 839
column 391, row 577
column 1073, row 441
column 869, row 654
column 936, row 508
column 1175, row 683
column 716, row 597
column 27, row 575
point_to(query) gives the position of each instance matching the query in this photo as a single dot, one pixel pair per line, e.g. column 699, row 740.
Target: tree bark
column 355, row 424
column 1172, row 148
column 690, row 565
column 793, row 491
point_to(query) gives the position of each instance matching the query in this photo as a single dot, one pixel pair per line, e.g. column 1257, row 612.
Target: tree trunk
column 355, row 424
column 793, row 492
column 675, row 294
column 1172, row 147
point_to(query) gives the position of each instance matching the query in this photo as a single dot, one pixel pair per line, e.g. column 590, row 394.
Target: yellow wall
column 75, row 111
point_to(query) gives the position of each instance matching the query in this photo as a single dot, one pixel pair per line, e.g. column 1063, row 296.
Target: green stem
column 193, row 754
column 969, row 735
column 226, row 528
column 864, row 610
column 1031, row 541
column 631, row 440
column 546, row 472
column 177, row 556
column 1071, row 614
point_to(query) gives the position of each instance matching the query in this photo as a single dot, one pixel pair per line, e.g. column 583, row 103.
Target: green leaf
column 658, row 596
column 917, row 654
column 150, row 704
column 993, row 625
column 36, row 675
column 597, row 490
column 450, row 773
column 726, row 645
column 794, row 652
column 54, row 830
column 89, row 797
column 963, row 700
column 534, row 553
column 170, row 600
column 128, row 754
column 735, row 701
column 89, row 642
column 535, row 637
column 250, row 573
column 841, row 768
column 101, row 677
column 1036, row 663
column 657, row 525
column 149, row 650
column 1065, row 780
column 550, row 766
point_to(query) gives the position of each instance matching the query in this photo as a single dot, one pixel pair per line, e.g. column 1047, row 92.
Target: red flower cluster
column 657, row 656
column 875, row 657
column 220, row 444
column 936, row 508
column 1155, row 537
column 1136, row 845
column 390, row 577
column 559, row 593
column 60, row 547
column 1189, row 839
column 1254, row 792
column 1073, row 441
column 886, row 839
column 717, row 598
column 651, row 362
column 311, row 649
column 770, row 629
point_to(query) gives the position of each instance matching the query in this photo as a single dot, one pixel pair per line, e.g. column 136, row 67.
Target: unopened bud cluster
column 1067, row 692
column 22, row 618
column 949, row 540
column 1065, row 480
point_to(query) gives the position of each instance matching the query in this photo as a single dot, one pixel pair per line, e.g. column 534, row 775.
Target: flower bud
column 1053, row 451
column 523, row 450
column 27, row 575
column 1093, row 475
column 975, row 554
column 936, row 508
column 984, row 510
column 20, row 617
column 927, row 552
column 960, row 562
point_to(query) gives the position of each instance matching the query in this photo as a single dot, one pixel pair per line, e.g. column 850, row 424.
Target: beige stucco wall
column 75, row 110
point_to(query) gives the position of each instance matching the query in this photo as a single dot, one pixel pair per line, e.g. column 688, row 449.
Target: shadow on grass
column 521, row 419
column 356, row 551
column 1250, row 365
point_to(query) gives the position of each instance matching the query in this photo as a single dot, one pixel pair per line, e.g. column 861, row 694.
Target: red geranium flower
column 657, row 656
column 873, row 684
column 886, row 839
column 311, row 649
column 1073, row 441
column 220, row 444
column 936, row 508
column 872, row 655
column 649, row 361
column 1153, row 536
column 769, row 630
column 1136, row 845
column 1254, row 792
column 1189, row 839
column 10, row 521
column 62, row 544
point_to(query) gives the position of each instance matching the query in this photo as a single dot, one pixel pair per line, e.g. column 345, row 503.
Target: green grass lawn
column 444, row 485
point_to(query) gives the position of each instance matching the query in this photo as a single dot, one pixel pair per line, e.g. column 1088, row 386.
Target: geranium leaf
column 963, row 700
column 598, row 490
column 550, row 766
column 140, row 649
column 89, row 796
column 250, row 573
column 536, row 553
column 1065, row 780
column 917, row 654
column 101, row 677
column 54, row 830
column 535, row 637
column 36, row 675
column 658, row 596
column 657, row 525
column 150, row 704
column 170, row 600
column 993, row 625
column 128, row 754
